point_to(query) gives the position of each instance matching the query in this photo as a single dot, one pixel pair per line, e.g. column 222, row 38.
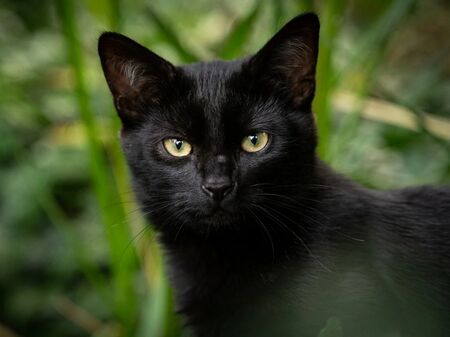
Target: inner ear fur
column 134, row 74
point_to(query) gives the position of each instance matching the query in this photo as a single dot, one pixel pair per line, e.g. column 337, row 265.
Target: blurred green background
column 75, row 256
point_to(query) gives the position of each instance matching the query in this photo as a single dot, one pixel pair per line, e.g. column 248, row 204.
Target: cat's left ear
column 288, row 60
column 136, row 76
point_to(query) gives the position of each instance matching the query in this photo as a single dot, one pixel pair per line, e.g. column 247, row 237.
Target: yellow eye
column 255, row 142
column 177, row 147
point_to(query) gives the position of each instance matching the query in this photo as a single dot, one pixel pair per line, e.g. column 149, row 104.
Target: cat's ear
column 136, row 76
column 288, row 60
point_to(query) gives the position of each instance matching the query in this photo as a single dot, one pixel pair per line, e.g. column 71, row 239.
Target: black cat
column 260, row 237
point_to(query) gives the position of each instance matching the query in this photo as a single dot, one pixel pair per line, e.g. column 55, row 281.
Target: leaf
column 233, row 44
column 333, row 328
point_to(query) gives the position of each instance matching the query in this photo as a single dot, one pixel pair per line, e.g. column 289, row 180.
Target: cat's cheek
column 254, row 165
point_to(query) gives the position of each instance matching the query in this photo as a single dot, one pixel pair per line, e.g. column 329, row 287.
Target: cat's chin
column 218, row 218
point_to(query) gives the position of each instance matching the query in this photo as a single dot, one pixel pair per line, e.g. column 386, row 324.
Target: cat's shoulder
column 421, row 212
column 437, row 197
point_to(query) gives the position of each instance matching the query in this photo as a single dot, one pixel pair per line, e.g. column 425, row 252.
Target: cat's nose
column 217, row 188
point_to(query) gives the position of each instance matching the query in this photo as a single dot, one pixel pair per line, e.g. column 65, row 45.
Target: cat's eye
column 177, row 147
column 255, row 142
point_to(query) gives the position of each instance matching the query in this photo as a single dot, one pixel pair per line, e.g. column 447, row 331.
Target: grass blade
column 233, row 44
column 365, row 63
column 322, row 103
column 117, row 232
column 375, row 40
column 278, row 14
column 171, row 37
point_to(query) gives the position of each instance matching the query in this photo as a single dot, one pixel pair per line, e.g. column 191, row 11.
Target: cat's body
column 372, row 264
column 260, row 237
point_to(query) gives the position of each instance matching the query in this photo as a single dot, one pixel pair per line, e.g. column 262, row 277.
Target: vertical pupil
column 178, row 143
column 254, row 139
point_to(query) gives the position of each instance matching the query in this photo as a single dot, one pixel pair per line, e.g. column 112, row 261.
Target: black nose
column 217, row 188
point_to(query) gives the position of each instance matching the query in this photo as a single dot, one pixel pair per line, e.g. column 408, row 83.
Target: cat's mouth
column 216, row 211
column 218, row 215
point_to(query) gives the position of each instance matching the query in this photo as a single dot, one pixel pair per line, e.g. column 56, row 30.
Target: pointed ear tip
column 309, row 18
column 103, row 41
column 105, row 37
column 109, row 43
column 313, row 17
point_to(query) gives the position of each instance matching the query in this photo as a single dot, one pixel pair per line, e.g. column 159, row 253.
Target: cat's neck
column 225, row 264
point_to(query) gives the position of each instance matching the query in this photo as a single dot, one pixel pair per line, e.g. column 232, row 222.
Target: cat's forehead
column 209, row 79
column 217, row 103
column 209, row 94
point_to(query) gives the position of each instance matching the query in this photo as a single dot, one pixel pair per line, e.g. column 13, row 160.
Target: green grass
column 117, row 232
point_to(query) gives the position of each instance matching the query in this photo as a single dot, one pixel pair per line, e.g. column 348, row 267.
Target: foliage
column 76, row 257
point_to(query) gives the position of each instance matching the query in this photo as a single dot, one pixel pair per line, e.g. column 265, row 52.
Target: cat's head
column 212, row 143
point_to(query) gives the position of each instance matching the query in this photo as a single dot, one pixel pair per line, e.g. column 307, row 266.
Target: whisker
column 300, row 240
column 137, row 236
column 266, row 231
column 295, row 207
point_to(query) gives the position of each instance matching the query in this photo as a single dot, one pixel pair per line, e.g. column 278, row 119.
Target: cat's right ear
column 136, row 76
column 288, row 60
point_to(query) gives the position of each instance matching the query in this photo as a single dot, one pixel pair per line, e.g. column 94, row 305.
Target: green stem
column 322, row 102
column 107, row 195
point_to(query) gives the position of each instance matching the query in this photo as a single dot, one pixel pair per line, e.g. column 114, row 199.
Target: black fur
column 293, row 244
